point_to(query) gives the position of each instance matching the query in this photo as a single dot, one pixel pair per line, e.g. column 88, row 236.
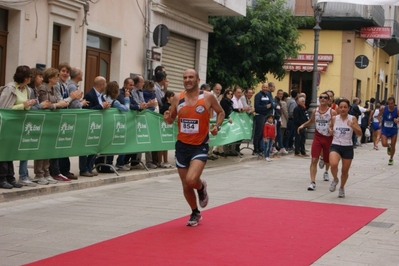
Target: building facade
column 348, row 63
column 111, row 38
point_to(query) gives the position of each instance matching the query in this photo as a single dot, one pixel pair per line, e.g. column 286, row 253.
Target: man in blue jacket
column 264, row 105
column 128, row 84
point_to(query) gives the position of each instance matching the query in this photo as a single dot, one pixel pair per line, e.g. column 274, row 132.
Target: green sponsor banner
column 45, row 134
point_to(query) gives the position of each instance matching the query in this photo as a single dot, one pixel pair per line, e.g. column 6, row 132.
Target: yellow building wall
column 329, row 43
column 342, row 75
column 381, row 71
column 367, row 75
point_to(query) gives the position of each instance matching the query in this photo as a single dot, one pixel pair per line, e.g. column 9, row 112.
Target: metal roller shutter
column 178, row 55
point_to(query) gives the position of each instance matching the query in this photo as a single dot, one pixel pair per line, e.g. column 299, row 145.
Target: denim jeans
column 267, row 146
column 86, row 163
column 23, row 169
column 120, row 160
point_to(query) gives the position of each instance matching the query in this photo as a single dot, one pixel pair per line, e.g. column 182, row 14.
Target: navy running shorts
column 185, row 153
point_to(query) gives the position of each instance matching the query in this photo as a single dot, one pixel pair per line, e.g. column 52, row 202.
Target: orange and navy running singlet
column 193, row 121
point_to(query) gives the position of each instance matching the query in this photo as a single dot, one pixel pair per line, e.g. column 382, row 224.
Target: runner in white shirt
column 375, row 125
column 342, row 127
column 322, row 117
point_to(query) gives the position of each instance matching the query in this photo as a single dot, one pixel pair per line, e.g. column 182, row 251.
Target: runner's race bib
column 189, row 126
column 388, row 124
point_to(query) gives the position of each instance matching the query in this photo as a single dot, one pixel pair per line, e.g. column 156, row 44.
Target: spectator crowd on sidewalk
column 35, row 89
column 277, row 127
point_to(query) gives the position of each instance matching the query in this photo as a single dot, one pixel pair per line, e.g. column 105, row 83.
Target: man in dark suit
column 123, row 159
column 128, row 84
column 95, row 95
column 96, row 101
column 300, row 116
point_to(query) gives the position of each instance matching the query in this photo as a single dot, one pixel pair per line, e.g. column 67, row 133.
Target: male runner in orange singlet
column 192, row 108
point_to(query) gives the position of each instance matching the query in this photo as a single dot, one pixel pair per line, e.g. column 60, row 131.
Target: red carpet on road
column 251, row 231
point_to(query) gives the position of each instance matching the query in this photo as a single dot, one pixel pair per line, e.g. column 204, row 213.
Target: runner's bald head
column 190, row 70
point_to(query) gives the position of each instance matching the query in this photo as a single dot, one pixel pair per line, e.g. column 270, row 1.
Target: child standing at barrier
column 269, row 134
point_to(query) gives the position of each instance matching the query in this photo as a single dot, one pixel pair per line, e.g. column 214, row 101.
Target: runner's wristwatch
column 218, row 127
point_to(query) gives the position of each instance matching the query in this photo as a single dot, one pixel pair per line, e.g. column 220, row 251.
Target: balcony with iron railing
column 391, row 46
column 394, row 24
column 352, row 17
column 342, row 16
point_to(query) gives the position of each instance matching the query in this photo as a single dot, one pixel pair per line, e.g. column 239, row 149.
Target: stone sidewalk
column 106, row 178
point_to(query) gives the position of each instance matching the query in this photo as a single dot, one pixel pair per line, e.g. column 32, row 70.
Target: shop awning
column 302, row 66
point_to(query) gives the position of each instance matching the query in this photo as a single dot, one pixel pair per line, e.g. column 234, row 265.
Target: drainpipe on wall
column 147, row 39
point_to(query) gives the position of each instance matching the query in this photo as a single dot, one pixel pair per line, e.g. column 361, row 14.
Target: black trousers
column 300, row 139
column 291, row 133
column 65, row 165
column 6, row 170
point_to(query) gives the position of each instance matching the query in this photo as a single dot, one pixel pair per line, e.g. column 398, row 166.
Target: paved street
column 36, row 227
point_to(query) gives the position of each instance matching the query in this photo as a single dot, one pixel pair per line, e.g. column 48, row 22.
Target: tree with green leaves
column 242, row 50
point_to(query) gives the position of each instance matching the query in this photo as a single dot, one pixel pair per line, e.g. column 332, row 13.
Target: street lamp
column 318, row 9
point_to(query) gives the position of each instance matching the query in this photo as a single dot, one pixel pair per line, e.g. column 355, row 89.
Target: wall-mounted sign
column 152, row 55
column 375, row 33
column 361, row 61
column 310, row 57
column 304, row 62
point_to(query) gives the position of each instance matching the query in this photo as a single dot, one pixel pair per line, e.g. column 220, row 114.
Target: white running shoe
column 333, row 185
column 40, row 180
column 341, row 193
column 51, row 180
column 195, row 218
column 27, row 182
column 321, row 163
column 325, row 176
column 312, row 186
column 283, row 151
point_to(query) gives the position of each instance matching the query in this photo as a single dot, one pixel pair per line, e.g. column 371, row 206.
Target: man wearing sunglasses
column 321, row 116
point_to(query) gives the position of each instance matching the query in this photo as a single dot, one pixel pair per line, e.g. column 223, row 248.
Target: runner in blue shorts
column 375, row 123
column 388, row 118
